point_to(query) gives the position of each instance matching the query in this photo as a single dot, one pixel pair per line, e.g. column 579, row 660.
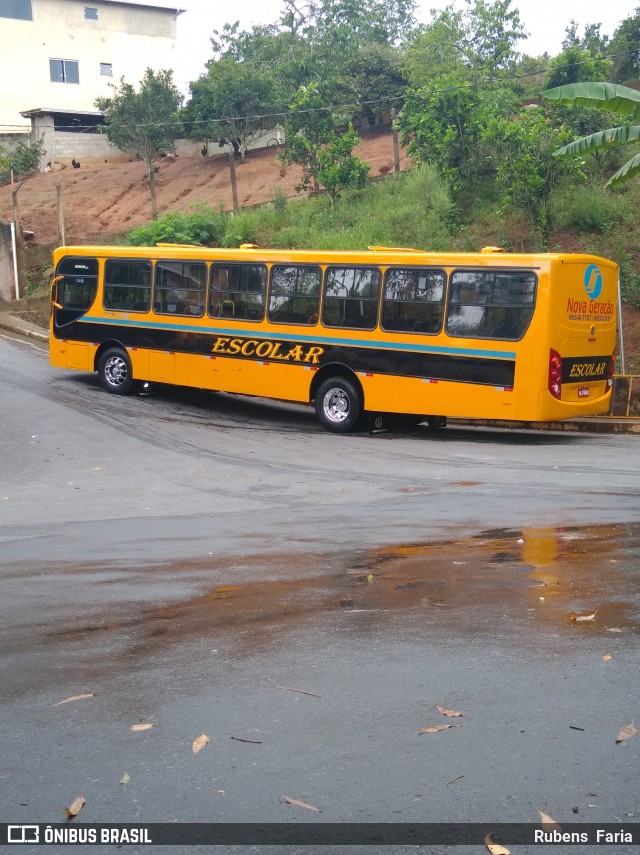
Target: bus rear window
column 491, row 303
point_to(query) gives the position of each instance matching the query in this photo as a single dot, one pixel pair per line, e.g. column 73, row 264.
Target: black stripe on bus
column 404, row 363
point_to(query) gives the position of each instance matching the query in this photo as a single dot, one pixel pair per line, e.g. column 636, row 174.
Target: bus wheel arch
column 114, row 368
column 338, row 397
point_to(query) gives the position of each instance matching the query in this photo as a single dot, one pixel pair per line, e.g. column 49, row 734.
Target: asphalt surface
column 214, row 564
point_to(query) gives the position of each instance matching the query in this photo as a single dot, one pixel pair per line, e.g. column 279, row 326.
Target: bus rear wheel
column 114, row 371
column 339, row 405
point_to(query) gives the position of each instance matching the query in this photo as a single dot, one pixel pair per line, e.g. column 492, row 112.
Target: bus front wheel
column 339, row 405
column 114, row 371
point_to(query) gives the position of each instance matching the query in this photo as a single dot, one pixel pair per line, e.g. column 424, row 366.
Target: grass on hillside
column 410, row 209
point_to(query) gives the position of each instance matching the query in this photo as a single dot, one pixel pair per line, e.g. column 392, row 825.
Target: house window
column 90, row 13
column 64, row 70
column 20, row 9
column 106, row 69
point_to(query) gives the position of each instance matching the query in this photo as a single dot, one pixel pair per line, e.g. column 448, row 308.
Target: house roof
column 54, row 111
column 155, row 4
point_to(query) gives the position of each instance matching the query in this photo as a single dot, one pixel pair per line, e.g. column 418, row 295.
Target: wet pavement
column 211, row 564
column 314, row 681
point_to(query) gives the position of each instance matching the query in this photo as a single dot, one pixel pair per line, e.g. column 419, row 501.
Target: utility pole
column 60, row 213
column 396, row 142
column 234, row 183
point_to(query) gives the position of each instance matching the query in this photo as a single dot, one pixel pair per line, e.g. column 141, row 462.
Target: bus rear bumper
column 550, row 409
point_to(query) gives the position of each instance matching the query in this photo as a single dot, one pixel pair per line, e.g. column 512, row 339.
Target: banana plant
column 604, row 96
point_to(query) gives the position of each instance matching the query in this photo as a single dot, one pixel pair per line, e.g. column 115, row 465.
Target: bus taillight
column 555, row 373
column 612, row 367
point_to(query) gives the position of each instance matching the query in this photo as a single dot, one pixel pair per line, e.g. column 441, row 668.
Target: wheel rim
column 336, row 406
column 116, row 371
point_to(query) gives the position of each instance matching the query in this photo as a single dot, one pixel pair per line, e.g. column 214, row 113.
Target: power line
column 336, row 108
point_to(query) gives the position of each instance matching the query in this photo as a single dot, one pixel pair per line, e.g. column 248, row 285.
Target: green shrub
column 200, row 225
column 587, row 209
column 21, row 159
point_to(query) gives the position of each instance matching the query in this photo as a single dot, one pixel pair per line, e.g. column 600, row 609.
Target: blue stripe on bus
column 255, row 333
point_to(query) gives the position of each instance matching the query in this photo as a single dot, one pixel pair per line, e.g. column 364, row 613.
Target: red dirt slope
column 103, row 199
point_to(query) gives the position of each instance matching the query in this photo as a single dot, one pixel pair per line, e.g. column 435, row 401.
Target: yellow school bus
column 487, row 335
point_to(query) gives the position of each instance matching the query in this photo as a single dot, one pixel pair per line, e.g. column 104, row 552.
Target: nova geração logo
column 593, row 281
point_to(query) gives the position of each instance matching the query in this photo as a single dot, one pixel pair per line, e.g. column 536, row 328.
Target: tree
column 233, row 102
column 625, row 47
column 603, row 96
column 521, row 148
column 482, row 40
column 308, row 126
column 454, row 68
column 445, row 126
column 22, row 159
column 338, row 167
column 581, row 58
column 144, row 123
column 373, row 79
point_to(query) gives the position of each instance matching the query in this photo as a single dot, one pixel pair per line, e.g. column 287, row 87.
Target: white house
column 58, row 56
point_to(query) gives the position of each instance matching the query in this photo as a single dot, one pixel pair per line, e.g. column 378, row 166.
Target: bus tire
column 114, row 371
column 339, row 405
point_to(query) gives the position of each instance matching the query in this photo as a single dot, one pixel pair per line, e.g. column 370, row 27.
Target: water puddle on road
column 507, row 581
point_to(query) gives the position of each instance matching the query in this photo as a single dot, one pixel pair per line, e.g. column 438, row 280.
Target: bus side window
column 237, row 291
column 413, row 300
column 294, row 294
column 350, row 297
column 127, row 285
column 180, row 287
column 491, row 303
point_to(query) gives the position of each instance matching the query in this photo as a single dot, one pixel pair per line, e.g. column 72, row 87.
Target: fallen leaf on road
column 583, row 618
column 445, row 711
column 607, row 657
column 495, row 848
column 627, row 732
column 299, row 803
column 548, row 822
column 75, row 807
column 434, row 728
column 125, row 778
column 299, row 691
column 199, row 743
column 137, row 727
column 76, row 698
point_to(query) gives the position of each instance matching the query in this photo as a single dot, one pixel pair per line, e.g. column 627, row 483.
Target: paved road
column 215, row 564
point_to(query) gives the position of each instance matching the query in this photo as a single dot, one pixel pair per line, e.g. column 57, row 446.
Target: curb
column 589, row 424
column 13, row 324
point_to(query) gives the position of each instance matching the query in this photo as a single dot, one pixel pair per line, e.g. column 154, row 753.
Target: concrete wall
column 129, row 37
column 7, row 286
column 60, row 147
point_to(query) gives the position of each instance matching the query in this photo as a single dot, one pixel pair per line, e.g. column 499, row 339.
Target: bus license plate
column 583, row 392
